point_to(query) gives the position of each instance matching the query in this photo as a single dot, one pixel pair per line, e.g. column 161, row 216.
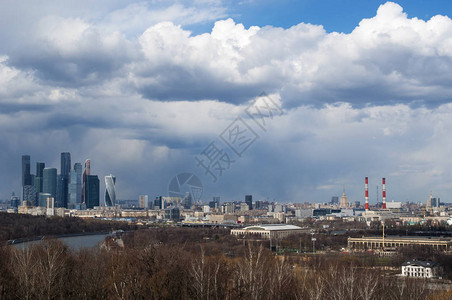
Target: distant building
column 393, row 205
column 223, row 219
column 188, row 200
column 259, row 204
column 65, row 179
column 75, row 186
column 420, row 269
column 49, row 182
column 15, row 201
column 50, row 206
column 244, row 206
column 378, row 242
column 303, row 213
column 26, row 176
column 216, row 199
column 228, row 208
column 280, row 208
column 38, row 181
column 158, row 202
column 28, row 188
column 172, row 201
column 172, row 213
column 43, row 199
column 29, row 195
column 59, row 198
column 91, row 191
column 433, row 203
column 110, row 190
column 344, row 200
column 268, row 231
column 86, row 172
column 335, row 200
column 144, row 201
column 249, row 201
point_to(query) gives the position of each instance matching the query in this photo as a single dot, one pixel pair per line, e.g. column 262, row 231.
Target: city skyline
column 368, row 96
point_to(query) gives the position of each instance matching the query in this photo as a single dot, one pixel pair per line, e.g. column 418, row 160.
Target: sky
column 289, row 101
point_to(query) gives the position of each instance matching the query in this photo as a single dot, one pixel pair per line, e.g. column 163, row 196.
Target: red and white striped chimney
column 366, row 186
column 384, row 193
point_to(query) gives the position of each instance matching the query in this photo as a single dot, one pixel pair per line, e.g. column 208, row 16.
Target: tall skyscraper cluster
column 73, row 188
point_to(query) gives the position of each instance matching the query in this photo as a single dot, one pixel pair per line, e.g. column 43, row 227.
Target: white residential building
column 420, row 269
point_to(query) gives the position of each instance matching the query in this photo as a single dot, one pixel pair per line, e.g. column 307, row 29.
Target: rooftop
column 422, row 263
column 273, row 227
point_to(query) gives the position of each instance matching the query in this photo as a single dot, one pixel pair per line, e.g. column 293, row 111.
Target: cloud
column 389, row 58
column 73, row 53
column 136, row 17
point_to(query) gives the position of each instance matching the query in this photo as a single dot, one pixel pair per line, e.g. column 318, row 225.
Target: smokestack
column 384, row 193
column 367, row 193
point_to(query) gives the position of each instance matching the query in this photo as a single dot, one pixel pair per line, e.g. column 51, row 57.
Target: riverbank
column 16, row 228
column 58, row 236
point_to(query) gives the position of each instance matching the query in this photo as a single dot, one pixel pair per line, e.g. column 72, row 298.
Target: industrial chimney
column 384, row 193
column 367, row 193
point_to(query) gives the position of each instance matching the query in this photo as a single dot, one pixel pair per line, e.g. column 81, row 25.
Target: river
column 74, row 242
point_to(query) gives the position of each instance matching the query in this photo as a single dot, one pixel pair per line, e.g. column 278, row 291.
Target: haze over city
column 364, row 90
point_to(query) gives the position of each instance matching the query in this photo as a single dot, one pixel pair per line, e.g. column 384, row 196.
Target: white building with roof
column 420, row 269
column 268, row 230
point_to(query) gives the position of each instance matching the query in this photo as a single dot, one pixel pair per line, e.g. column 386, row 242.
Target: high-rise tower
column 110, row 190
column 86, row 172
column 65, row 163
column 343, row 203
column 28, row 189
column 249, row 201
column 26, row 176
column 188, row 200
column 49, row 183
column 75, row 186
column 63, row 181
column 39, row 176
column 91, row 191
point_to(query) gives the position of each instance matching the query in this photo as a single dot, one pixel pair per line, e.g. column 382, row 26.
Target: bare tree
column 24, row 269
column 281, row 278
column 50, row 266
column 201, row 277
column 251, row 274
column 368, row 284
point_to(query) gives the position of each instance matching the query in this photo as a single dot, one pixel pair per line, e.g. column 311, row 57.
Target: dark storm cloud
column 13, row 108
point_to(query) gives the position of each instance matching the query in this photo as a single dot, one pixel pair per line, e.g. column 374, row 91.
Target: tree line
column 16, row 226
column 187, row 263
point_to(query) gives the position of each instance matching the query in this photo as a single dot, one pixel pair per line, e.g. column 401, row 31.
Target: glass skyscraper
column 65, row 163
column 91, row 191
column 85, row 173
column 63, row 181
column 59, row 199
column 110, row 190
column 49, row 182
column 75, row 186
column 26, row 176
column 249, row 201
column 38, row 180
